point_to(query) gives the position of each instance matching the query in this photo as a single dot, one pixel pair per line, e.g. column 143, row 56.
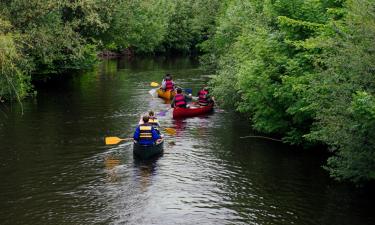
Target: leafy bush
column 14, row 77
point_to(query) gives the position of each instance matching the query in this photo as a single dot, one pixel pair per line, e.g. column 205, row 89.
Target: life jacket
column 202, row 97
column 179, row 100
column 153, row 121
column 169, row 86
column 145, row 132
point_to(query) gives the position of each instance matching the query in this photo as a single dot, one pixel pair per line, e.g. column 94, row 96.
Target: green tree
column 270, row 61
column 343, row 95
column 137, row 24
column 50, row 43
column 14, row 76
column 189, row 23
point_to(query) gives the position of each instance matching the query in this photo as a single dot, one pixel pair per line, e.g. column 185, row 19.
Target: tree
column 344, row 95
column 14, row 76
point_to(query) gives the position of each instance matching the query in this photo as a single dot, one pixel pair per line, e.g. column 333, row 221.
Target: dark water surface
column 55, row 168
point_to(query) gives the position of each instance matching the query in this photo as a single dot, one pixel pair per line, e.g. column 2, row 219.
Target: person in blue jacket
column 146, row 134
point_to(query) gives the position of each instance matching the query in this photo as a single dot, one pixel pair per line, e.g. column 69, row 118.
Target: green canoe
column 147, row 151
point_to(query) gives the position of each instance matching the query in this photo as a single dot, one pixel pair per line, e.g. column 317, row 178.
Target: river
column 56, row 169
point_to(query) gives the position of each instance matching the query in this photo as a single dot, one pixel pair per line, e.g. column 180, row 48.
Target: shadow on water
column 145, row 170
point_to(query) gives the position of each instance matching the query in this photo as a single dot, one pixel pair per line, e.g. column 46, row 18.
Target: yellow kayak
column 166, row 94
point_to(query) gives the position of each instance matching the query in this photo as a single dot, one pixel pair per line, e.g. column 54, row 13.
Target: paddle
column 115, row 140
column 163, row 112
column 170, row 130
column 154, row 84
column 187, row 90
column 153, row 92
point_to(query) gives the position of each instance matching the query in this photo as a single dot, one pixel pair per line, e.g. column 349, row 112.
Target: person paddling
column 167, row 84
column 146, row 134
column 180, row 100
column 204, row 98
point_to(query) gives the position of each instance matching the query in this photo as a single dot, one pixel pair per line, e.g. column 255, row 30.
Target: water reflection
column 145, row 170
column 180, row 126
column 110, row 163
column 55, row 168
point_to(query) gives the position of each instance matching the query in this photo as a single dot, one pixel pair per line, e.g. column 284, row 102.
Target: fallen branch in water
column 252, row 136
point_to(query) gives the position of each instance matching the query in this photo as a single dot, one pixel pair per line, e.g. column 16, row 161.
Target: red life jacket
column 202, row 97
column 169, row 86
column 179, row 100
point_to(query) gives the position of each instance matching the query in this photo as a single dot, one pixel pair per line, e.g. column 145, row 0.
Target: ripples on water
column 59, row 171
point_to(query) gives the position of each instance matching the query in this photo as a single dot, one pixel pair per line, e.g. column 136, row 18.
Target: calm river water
column 55, row 168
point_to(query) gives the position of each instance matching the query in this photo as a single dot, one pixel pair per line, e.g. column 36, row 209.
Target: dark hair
column 151, row 113
column 145, row 119
column 168, row 76
column 179, row 90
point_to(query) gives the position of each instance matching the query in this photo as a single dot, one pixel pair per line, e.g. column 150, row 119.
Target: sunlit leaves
column 14, row 80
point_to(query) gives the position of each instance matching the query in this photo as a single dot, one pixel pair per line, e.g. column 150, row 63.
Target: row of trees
column 41, row 38
column 303, row 69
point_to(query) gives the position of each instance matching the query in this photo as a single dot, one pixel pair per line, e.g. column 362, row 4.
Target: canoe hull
column 168, row 95
column 179, row 113
column 147, row 152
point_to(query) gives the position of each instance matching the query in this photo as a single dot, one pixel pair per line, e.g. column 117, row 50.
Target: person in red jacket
column 180, row 100
column 204, row 97
column 167, row 84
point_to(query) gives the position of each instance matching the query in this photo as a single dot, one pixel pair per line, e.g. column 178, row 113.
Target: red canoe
column 179, row 113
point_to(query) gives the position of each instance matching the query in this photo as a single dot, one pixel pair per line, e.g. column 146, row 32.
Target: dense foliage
column 302, row 69
column 14, row 79
column 42, row 38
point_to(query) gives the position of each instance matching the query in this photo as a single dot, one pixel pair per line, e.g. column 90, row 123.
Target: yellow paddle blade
column 154, row 84
column 170, row 131
column 112, row 140
column 115, row 140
